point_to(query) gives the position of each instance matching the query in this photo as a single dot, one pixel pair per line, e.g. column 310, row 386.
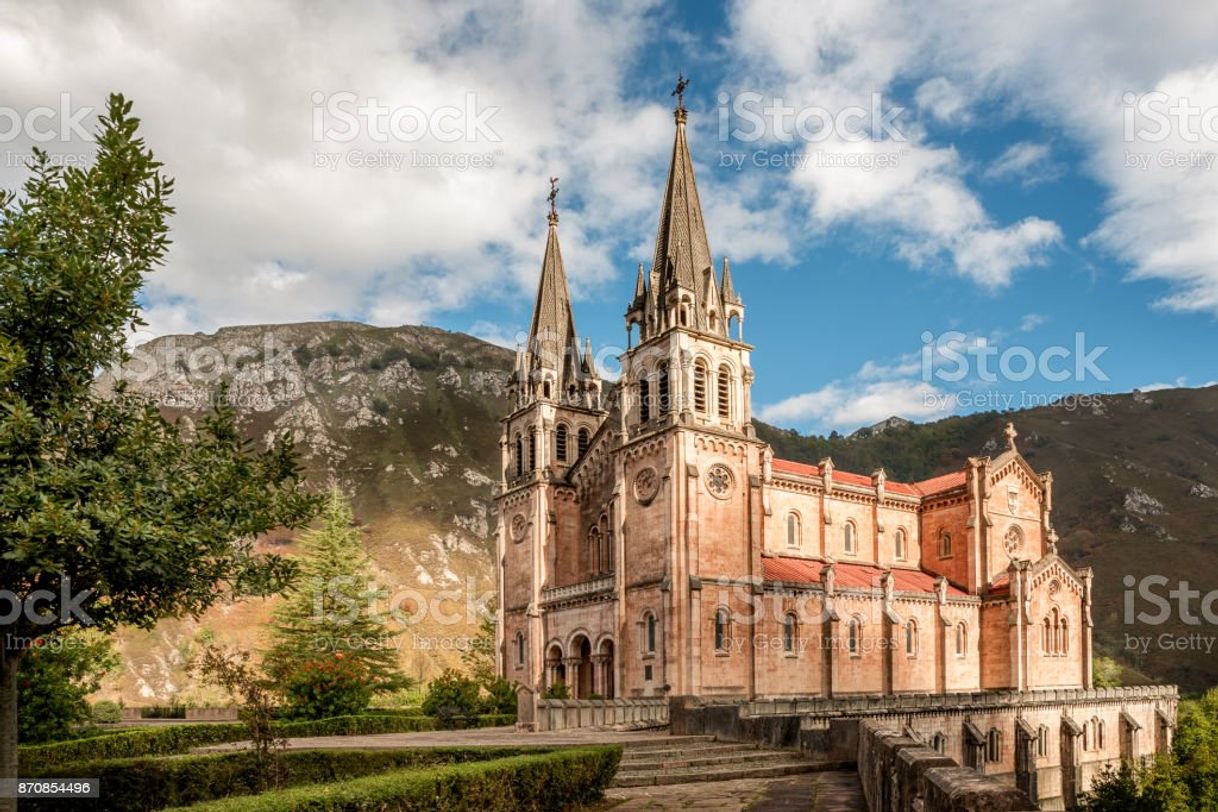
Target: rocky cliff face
column 404, row 420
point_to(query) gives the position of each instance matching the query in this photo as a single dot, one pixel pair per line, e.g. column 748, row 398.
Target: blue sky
column 1010, row 213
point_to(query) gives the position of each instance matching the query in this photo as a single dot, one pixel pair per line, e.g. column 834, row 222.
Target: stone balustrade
column 593, row 587
column 868, row 704
column 564, row 714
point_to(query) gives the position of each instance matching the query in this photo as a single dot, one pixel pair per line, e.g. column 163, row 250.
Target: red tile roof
column 939, row 484
column 927, row 487
column 806, row 571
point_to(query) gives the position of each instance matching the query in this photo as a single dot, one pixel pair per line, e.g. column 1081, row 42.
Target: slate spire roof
column 682, row 252
column 552, row 344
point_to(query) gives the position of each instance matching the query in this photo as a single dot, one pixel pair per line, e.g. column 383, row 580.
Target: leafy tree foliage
column 331, row 607
column 54, row 679
column 103, row 504
column 451, row 694
column 326, row 686
column 1106, row 672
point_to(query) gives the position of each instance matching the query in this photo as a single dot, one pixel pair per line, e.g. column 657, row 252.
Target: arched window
column 911, row 638
column 939, row 743
column 583, row 441
column 994, row 746
column 945, row 544
column 662, row 386
column 852, row 637
column 723, row 395
column 1042, row 741
column 961, row 639
column 594, row 550
column 560, row 442
column 849, row 541
column 519, row 649
column 644, row 399
column 519, row 456
column 722, row 621
column 793, row 539
column 532, row 450
column 1064, row 647
column 899, row 545
column 700, row 386
column 788, row 633
column 649, row 633
column 1046, row 634
column 1099, row 734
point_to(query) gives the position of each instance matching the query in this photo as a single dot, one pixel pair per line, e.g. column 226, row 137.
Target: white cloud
column 943, row 100
column 1028, row 162
column 1030, row 322
column 1065, row 65
column 262, row 233
column 914, row 193
column 852, row 404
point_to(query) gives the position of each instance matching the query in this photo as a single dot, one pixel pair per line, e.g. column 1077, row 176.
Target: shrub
column 547, row 782
column 328, row 686
column 174, row 739
column 107, row 711
column 53, row 680
column 500, row 698
column 558, row 690
column 451, row 694
column 143, row 784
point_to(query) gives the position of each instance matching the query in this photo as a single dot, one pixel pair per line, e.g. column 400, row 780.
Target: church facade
column 650, row 545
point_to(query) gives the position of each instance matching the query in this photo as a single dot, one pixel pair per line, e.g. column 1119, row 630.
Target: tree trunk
column 9, row 660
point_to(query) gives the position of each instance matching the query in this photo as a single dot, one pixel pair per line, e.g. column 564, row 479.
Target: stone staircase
column 695, row 759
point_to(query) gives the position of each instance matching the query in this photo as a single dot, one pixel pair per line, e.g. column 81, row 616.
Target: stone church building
column 651, row 546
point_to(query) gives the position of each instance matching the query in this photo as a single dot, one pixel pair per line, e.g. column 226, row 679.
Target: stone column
column 573, row 664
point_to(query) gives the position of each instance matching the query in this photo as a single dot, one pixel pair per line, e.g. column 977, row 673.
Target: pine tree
column 331, row 607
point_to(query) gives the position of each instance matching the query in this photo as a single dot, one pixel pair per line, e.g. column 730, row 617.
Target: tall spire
column 553, row 349
column 682, row 250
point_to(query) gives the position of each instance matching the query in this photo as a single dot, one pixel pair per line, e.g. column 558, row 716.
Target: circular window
column 720, row 481
column 646, row 485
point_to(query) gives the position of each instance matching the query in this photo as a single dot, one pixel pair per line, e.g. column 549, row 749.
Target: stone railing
column 879, row 703
column 563, row 714
column 593, row 587
column 900, row 774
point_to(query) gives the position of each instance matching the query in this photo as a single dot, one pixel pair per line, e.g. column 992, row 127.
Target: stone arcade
column 651, row 546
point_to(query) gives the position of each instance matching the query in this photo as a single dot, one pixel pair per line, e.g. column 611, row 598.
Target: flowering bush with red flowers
column 326, row 686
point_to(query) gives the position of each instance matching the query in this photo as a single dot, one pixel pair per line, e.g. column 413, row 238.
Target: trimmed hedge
column 146, row 784
column 545, row 782
column 174, row 739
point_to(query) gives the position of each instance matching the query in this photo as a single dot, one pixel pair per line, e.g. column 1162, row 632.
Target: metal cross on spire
column 553, row 197
column 679, row 91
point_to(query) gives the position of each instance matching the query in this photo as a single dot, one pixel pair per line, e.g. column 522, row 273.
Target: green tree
column 1195, row 746
column 1155, row 787
column 108, row 514
column 54, row 679
column 331, row 607
column 1106, row 672
column 479, row 656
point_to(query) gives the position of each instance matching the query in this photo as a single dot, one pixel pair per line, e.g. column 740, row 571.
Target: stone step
column 665, row 742
column 651, row 753
column 773, row 767
column 694, row 760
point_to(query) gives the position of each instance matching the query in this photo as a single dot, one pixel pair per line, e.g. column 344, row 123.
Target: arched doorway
column 583, row 681
column 556, row 669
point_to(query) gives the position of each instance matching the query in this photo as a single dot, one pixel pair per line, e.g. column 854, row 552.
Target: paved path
column 503, row 736
column 833, row 791
column 812, row 792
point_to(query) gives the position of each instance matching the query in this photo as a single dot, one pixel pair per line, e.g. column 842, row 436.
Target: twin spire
column 680, row 290
column 550, row 366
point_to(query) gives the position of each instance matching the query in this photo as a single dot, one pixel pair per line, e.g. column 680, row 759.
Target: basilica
column 650, row 545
